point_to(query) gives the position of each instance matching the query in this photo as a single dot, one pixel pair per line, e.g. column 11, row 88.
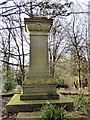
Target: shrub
column 51, row 112
column 60, row 85
column 9, row 85
column 85, row 83
column 88, row 106
column 60, row 82
column 81, row 102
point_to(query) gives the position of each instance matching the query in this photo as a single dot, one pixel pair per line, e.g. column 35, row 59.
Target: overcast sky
column 82, row 2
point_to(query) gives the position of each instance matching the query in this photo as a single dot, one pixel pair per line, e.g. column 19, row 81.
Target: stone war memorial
column 40, row 88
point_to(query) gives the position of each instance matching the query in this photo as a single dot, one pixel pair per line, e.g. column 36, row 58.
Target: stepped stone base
column 17, row 105
column 39, row 88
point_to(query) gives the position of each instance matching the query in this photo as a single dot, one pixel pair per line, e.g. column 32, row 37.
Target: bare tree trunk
column 8, row 56
column 53, row 65
column 54, row 54
column 77, row 52
column 50, row 61
column 89, row 48
column 18, row 49
column 22, row 66
column 31, row 12
column 79, row 73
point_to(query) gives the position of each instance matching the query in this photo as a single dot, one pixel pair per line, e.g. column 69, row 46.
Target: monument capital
column 38, row 25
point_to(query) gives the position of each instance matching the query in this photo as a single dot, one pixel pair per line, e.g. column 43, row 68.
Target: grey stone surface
column 39, row 80
column 29, row 116
column 38, row 29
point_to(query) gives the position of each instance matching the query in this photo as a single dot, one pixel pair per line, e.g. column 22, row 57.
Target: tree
column 78, row 37
column 12, row 13
column 57, row 44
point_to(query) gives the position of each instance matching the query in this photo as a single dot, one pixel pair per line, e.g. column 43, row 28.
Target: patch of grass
column 81, row 106
column 88, row 106
column 51, row 112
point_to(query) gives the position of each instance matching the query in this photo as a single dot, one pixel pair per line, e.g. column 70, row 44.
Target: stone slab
column 16, row 105
column 35, row 89
column 37, row 116
column 40, row 86
column 29, row 116
column 39, row 96
column 41, row 81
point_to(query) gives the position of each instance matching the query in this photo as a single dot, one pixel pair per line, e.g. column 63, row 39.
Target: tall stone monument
column 39, row 85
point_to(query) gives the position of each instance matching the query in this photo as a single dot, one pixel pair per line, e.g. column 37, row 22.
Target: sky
column 83, row 3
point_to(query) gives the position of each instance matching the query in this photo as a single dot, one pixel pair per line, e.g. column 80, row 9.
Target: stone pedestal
column 40, row 85
column 40, row 88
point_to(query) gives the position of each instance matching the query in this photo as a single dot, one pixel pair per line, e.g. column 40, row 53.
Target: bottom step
column 37, row 116
column 29, row 116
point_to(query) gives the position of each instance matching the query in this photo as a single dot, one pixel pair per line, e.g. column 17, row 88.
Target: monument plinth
column 39, row 85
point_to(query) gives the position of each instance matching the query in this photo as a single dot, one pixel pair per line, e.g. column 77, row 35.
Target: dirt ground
column 73, row 91
column 4, row 114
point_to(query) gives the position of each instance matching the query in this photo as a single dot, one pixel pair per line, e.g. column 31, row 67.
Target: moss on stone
column 16, row 100
column 40, row 80
column 16, row 105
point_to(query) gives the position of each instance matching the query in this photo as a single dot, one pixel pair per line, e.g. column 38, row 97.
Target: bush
column 51, row 112
column 9, row 85
column 61, row 83
column 81, row 102
column 85, row 83
column 88, row 106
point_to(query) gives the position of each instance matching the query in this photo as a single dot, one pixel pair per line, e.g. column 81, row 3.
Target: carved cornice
column 38, row 25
